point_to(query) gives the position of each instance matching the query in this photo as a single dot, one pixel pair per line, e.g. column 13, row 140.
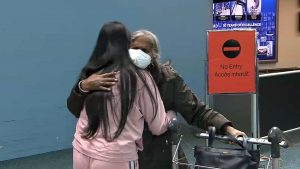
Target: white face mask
column 140, row 58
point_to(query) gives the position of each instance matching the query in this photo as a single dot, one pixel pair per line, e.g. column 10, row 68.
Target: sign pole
column 254, row 118
column 232, row 67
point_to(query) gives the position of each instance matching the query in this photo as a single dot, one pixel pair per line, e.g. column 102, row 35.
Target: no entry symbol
column 231, row 48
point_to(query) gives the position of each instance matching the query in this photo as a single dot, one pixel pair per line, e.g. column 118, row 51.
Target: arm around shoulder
column 75, row 100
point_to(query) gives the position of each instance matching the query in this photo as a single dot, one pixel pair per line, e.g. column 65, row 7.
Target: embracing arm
column 75, row 100
column 101, row 82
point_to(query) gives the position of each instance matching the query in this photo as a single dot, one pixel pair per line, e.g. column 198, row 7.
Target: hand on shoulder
column 96, row 81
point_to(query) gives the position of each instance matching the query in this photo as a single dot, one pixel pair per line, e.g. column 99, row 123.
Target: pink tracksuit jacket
column 125, row 147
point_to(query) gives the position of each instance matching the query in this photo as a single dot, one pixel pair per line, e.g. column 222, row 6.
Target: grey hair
column 152, row 39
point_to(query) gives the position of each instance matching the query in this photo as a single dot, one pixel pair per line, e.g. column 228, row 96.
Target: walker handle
column 259, row 141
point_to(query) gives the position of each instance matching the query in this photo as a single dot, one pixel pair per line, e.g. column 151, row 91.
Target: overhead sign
column 231, row 61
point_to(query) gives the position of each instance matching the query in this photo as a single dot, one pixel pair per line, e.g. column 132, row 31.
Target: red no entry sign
column 231, row 61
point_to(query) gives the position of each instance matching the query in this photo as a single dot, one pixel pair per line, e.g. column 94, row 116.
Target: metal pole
column 275, row 163
column 175, row 157
column 208, row 97
column 279, row 73
column 254, row 118
column 173, row 127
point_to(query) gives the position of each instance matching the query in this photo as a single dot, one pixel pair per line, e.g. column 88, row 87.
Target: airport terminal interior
column 240, row 57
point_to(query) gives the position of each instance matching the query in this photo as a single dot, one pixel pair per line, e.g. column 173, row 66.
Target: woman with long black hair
column 109, row 129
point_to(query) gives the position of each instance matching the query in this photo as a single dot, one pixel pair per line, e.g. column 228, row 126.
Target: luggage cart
column 274, row 139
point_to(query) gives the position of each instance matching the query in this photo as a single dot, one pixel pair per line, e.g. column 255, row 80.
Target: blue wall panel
column 44, row 44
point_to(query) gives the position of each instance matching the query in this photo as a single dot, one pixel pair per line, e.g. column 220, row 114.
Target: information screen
column 250, row 14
